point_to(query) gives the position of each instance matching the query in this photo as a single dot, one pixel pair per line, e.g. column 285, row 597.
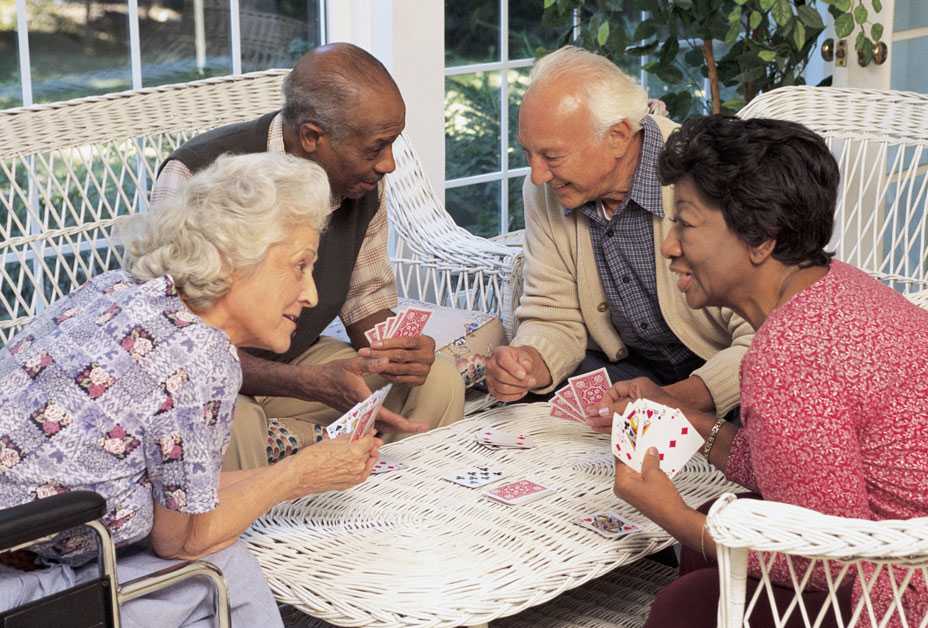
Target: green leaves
column 767, row 55
column 549, row 3
column 844, row 25
column 782, row 12
column 766, row 5
column 860, row 14
column 877, row 6
column 755, row 20
column 842, row 5
column 877, row 32
column 810, row 17
column 602, row 35
column 799, row 35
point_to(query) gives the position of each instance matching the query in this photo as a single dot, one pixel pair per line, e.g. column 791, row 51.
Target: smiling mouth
column 684, row 279
column 291, row 317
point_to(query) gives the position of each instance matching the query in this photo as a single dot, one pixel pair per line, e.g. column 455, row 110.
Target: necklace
column 783, row 284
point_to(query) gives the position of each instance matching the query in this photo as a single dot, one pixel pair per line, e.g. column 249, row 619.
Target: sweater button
column 602, row 307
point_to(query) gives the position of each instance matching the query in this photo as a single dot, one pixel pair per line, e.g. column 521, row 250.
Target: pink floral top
column 834, row 401
column 119, row 389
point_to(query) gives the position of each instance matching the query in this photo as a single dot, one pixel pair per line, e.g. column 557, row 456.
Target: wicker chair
column 70, row 171
column 848, row 549
column 879, row 139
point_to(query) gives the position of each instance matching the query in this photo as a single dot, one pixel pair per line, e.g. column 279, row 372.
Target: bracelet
column 707, row 447
column 702, row 539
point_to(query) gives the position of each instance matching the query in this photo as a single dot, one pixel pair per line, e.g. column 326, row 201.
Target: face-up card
column 570, row 398
column 386, row 465
column 411, row 323
column 474, row 477
column 519, row 492
column 621, row 447
column 590, row 388
column 344, row 424
column 499, row 438
column 368, row 411
column 607, row 524
column 676, row 440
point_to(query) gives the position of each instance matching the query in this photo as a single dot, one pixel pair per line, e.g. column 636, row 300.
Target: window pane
column 475, row 207
column 274, row 36
column 471, row 32
column 527, row 35
column 516, row 209
column 10, row 91
column 910, row 14
column 472, row 124
column 908, row 71
column 77, row 49
column 184, row 40
column 518, row 83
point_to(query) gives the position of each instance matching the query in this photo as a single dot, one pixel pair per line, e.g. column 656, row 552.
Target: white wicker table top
column 408, row 548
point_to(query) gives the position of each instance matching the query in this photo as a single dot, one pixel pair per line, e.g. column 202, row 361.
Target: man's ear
column 310, row 134
column 762, row 252
column 620, row 135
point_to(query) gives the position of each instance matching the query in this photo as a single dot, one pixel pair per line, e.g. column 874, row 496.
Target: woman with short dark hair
column 834, row 389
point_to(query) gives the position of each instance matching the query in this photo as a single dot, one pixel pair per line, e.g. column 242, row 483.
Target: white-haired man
column 597, row 293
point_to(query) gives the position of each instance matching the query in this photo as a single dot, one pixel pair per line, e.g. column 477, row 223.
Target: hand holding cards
column 647, row 424
column 359, row 421
column 407, row 324
column 580, row 393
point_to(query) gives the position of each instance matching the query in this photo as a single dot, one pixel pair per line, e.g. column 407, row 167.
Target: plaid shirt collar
column 646, row 188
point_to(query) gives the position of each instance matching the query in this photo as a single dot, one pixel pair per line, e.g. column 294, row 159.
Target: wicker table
column 408, row 548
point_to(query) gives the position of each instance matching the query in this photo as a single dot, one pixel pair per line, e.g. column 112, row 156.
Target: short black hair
column 772, row 179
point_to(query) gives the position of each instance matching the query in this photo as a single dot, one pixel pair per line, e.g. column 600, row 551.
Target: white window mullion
column 235, row 35
column 135, row 48
column 323, row 31
column 22, row 38
column 504, row 117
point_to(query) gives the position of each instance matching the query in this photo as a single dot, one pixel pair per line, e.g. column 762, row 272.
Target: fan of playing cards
column 407, row 324
column 359, row 421
column 647, row 424
column 581, row 392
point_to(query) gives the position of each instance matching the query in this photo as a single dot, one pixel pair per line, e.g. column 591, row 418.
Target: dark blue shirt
column 624, row 251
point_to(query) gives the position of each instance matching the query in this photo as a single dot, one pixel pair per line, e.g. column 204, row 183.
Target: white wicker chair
column 847, row 548
column 71, row 170
column 436, row 260
column 879, row 139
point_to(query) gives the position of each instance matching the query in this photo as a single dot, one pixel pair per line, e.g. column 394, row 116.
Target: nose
column 308, row 295
column 387, row 164
column 670, row 247
column 540, row 172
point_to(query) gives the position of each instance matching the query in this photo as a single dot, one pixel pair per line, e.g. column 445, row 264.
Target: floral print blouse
column 122, row 390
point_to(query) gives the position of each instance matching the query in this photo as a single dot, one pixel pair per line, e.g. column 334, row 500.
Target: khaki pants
column 437, row 402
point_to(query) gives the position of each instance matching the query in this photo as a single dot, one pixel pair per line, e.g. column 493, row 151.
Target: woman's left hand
column 650, row 491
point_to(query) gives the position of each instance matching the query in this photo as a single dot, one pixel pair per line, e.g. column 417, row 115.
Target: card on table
column 474, row 477
column 497, row 438
column 607, row 524
column 386, row 465
column 519, row 492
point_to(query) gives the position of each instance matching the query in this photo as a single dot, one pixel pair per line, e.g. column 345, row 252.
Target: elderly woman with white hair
column 126, row 388
column 597, row 292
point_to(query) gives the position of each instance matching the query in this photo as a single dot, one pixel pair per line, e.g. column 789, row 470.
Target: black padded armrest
column 28, row 522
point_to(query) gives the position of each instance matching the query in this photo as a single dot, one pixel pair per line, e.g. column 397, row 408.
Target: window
column 490, row 46
column 54, row 50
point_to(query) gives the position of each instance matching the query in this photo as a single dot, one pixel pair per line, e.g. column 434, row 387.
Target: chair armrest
column 46, row 516
column 787, row 529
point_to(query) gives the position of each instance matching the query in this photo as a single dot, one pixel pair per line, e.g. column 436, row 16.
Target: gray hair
column 224, row 220
column 611, row 94
column 327, row 84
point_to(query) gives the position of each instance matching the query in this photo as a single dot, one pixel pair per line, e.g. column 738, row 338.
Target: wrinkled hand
column 620, row 395
column 509, row 373
column 331, row 465
column 650, row 491
column 409, row 359
column 340, row 384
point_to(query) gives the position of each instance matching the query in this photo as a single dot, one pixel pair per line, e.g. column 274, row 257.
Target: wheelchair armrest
column 42, row 517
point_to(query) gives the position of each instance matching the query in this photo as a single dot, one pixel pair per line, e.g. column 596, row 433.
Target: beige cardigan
column 564, row 309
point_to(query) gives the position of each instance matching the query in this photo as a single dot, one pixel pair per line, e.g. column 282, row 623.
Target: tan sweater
column 564, row 310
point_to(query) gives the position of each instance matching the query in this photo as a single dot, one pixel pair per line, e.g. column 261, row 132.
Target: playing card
column 621, row 447
column 567, row 394
column 519, row 492
column 381, row 329
column 343, row 424
column 562, row 410
column 590, row 388
column 675, row 439
column 474, row 477
column 499, row 438
column 386, row 465
column 607, row 524
column 371, row 335
column 368, row 411
column 411, row 323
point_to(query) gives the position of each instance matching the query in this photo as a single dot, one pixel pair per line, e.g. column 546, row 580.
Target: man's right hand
column 513, row 371
column 340, row 384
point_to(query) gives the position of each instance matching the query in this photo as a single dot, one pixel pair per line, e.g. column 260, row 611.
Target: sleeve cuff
column 721, row 378
column 559, row 363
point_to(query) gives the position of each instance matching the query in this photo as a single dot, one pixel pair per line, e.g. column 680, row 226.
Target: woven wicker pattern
column 879, row 139
column 843, row 546
column 410, row 549
column 438, row 261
